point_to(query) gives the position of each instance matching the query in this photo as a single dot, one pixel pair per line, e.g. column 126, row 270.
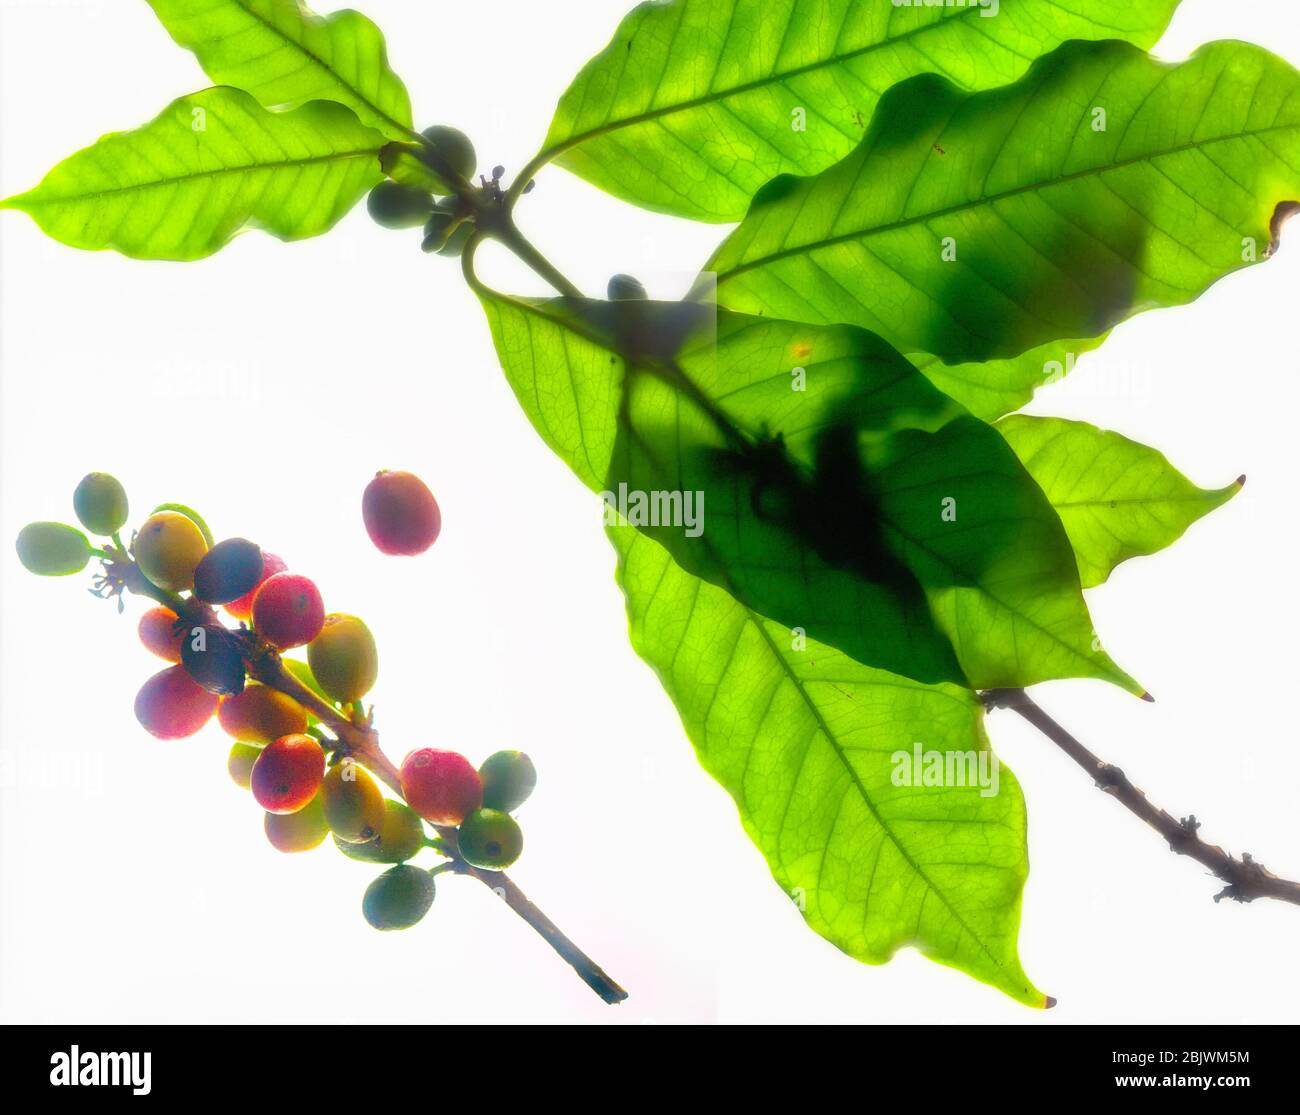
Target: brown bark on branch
column 1245, row 879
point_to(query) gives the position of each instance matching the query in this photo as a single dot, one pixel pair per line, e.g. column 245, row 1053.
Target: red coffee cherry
column 260, row 714
column 158, row 631
column 243, row 607
column 401, row 515
column 441, row 786
column 288, row 610
column 288, row 773
column 228, row 571
column 172, row 705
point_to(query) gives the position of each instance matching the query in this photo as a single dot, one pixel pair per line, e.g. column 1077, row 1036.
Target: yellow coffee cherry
column 354, row 807
column 344, row 658
column 298, row 832
column 168, row 548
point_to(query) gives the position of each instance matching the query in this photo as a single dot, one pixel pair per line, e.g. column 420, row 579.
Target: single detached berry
column 162, row 633
column 243, row 607
column 401, row 836
column 400, row 513
column 239, row 763
column 394, row 205
column 172, row 705
column 261, row 714
column 100, row 503
column 490, row 839
column 354, row 807
column 214, row 657
column 288, row 611
column 624, row 288
column 344, row 658
column 441, row 786
column 231, row 569
column 453, row 147
column 297, row 832
column 53, row 549
column 508, row 779
column 288, row 773
column 168, row 548
column 399, row 898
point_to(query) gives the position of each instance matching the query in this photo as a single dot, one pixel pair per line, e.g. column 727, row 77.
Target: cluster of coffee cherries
column 448, row 221
column 306, row 781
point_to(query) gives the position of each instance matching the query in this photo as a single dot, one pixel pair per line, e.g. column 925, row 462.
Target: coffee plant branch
column 1245, row 878
column 361, row 742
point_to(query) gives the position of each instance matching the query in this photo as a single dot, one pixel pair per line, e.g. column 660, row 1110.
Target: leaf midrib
column 986, row 199
column 158, row 183
column 756, row 621
column 712, row 97
column 301, row 48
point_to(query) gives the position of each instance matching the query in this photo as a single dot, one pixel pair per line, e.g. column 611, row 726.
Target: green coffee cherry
column 394, row 205
column 399, row 898
column 508, row 779
column 437, row 229
column 344, row 658
column 455, row 243
column 454, row 147
column 101, row 504
column 401, row 835
column 624, row 288
column 490, row 839
column 53, row 549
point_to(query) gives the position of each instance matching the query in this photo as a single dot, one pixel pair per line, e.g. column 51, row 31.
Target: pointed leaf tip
column 1148, row 698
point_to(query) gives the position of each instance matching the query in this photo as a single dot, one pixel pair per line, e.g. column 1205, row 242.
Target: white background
column 265, row 385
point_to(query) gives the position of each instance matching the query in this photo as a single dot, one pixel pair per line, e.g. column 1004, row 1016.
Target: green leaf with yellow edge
column 863, row 506
column 976, row 226
column 818, row 752
column 696, row 103
column 1116, row 498
column 285, row 55
column 210, row 165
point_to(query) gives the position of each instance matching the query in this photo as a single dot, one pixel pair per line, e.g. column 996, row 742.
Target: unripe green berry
column 437, row 229
column 399, row 898
column 508, row 779
column 624, row 288
column 168, row 548
column 394, row 205
column 239, row 763
column 101, row 504
column 401, row 836
column 53, row 549
column 454, row 147
column 455, row 243
column 490, row 839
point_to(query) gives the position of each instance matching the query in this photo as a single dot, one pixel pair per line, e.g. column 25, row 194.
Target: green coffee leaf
column 819, row 753
column 211, row 165
column 996, row 387
column 696, row 103
column 285, row 55
column 1116, row 498
column 978, row 226
column 838, row 491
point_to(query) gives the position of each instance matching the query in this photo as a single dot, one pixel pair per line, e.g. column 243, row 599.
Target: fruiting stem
column 363, row 745
column 1246, row 880
column 504, row 230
